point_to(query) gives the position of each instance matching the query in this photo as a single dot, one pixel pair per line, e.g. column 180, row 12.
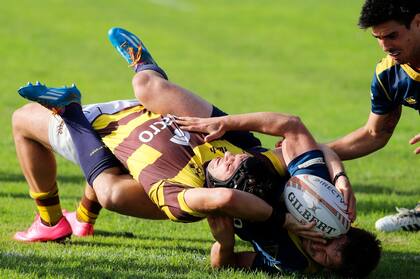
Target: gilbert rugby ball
column 311, row 198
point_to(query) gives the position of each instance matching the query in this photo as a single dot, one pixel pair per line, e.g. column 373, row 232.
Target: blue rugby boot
column 133, row 51
column 52, row 98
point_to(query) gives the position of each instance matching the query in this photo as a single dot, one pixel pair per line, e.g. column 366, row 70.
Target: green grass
column 306, row 58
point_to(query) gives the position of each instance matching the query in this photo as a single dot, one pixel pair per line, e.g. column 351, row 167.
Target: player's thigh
column 32, row 121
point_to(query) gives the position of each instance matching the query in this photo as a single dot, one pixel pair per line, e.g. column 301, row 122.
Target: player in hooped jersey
column 170, row 164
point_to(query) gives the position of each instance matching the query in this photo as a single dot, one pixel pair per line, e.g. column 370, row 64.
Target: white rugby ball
column 311, row 198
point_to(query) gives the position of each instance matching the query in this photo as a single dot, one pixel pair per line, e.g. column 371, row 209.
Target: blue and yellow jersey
column 164, row 159
column 394, row 85
column 278, row 251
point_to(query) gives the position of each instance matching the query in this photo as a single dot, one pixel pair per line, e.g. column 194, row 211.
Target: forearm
column 359, row 143
column 270, row 123
column 332, row 160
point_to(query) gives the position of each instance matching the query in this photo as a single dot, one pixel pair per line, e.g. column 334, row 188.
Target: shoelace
column 407, row 216
column 405, row 212
column 134, row 56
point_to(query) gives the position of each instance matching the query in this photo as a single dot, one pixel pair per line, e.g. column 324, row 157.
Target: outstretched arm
column 369, row 138
column 298, row 138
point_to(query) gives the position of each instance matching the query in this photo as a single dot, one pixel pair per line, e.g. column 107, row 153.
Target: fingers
column 306, row 231
column 415, row 139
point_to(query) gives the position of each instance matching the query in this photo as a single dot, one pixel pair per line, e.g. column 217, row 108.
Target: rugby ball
column 311, row 198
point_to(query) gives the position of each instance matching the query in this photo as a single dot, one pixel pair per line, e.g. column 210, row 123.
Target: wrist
column 338, row 175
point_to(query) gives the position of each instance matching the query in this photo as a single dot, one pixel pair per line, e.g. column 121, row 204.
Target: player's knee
column 108, row 196
column 143, row 83
column 146, row 85
column 20, row 118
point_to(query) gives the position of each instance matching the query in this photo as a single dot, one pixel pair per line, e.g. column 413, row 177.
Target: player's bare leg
column 30, row 133
column 121, row 193
column 150, row 83
column 162, row 96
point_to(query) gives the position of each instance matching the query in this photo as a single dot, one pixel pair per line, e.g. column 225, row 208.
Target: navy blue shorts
column 311, row 162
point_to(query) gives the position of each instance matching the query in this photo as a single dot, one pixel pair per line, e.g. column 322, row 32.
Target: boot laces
column 135, row 56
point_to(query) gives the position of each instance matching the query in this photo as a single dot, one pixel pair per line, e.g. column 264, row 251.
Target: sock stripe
column 48, row 202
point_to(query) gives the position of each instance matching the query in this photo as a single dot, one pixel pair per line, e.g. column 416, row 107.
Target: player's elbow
column 222, row 200
column 293, row 126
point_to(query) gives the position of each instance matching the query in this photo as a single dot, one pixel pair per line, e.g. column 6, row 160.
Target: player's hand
column 414, row 140
column 303, row 230
column 344, row 186
column 213, row 126
column 222, row 229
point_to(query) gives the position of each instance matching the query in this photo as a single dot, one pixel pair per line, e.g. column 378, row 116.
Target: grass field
column 306, row 58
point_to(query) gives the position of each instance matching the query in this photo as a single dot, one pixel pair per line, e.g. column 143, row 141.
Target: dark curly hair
column 375, row 12
column 360, row 254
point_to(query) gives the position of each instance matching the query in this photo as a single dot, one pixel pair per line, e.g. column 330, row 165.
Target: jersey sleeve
column 381, row 100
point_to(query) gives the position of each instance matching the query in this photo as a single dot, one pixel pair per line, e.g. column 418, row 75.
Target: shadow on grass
column 148, row 237
column 27, row 197
column 378, row 189
column 398, row 265
column 18, row 177
column 79, row 266
column 372, row 206
column 175, row 245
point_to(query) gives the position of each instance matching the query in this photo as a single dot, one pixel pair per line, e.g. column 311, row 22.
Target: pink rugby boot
column 79, row 228
column 40, row 232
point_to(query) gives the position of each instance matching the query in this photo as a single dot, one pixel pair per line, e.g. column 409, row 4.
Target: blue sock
column 94, row 157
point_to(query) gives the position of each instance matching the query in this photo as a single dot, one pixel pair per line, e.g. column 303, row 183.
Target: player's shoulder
column 385, row 65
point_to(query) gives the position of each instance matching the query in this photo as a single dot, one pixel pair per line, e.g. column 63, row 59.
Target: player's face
column 328, row 255
column 401, row 43
column 224, row 167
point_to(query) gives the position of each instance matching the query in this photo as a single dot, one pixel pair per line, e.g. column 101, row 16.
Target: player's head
column 354, row 254
column 240, row 171
column 376, row 12
column 396, row 26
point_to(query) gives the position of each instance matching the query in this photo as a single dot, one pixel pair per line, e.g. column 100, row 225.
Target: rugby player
column 169, row 163
column 396, row 83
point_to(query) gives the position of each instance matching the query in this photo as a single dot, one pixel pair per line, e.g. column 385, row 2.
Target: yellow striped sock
column 49, row 208
column 84, row 215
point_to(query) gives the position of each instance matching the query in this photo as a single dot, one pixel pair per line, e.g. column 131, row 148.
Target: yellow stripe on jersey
column 157, row 196
column 385, row 64
column 208, row 151
column 187, row 175
column 411, row 72
column 104, row 120
column 122, row 132
column 278, row 165
column 141, row 158
column 186, row 208
column 312, row 266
